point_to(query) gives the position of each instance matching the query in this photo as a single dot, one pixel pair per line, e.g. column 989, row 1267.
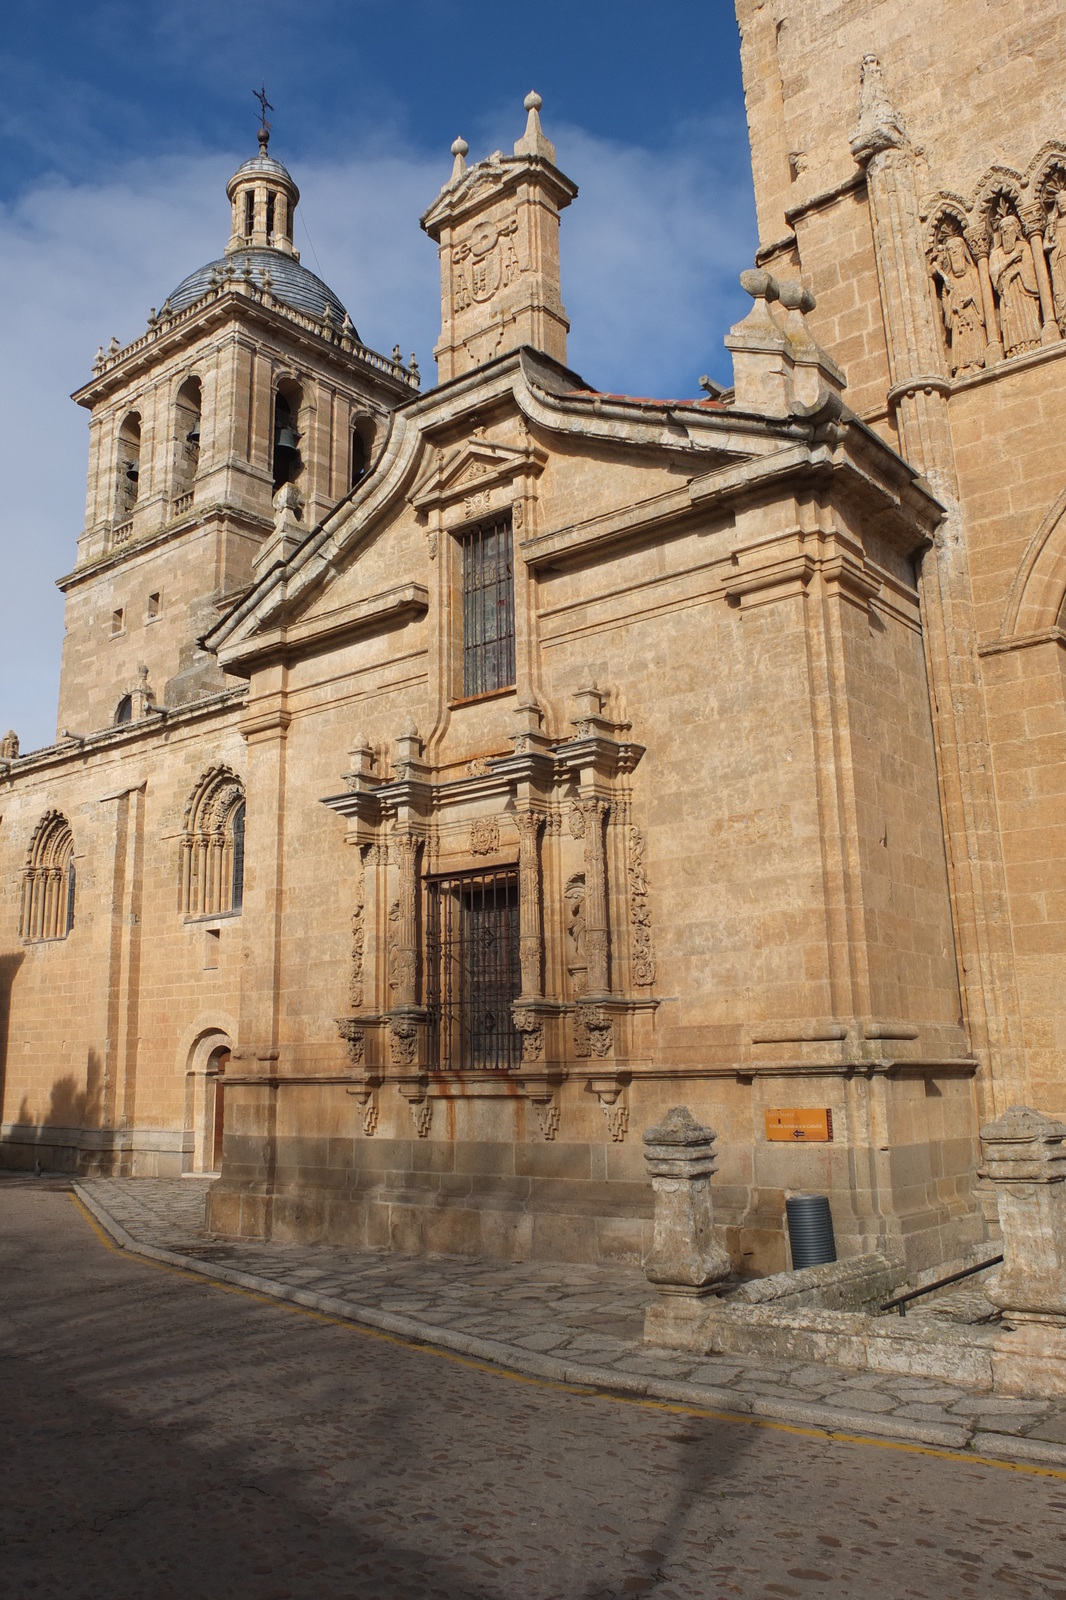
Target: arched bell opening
column 129, row 466
column 188, row 409
column 286, row 462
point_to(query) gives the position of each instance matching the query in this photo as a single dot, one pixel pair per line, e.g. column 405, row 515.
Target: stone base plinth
column 1028, row 1359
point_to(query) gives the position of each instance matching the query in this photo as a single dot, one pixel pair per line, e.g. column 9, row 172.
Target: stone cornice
column 747, row 454
column 121, row 738
column 234, row 304
column 373, row 615
column 196, row 521
column 498, row 175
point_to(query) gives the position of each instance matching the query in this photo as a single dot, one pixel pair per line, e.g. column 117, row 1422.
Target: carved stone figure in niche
column 1010, row 267
column 394, row 963
column 960, row 302
column 576, row 960
column 1055, row 250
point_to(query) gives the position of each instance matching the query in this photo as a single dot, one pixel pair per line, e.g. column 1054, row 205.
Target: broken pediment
column 474, row 467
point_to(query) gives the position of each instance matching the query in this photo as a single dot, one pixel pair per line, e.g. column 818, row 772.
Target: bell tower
column 497, row 226
column 250, row 387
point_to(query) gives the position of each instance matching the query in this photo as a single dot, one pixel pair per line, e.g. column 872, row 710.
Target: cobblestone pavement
column 166, row 1436
column 581, row 1324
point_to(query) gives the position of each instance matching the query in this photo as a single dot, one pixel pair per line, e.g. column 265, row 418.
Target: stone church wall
column 101, row 1026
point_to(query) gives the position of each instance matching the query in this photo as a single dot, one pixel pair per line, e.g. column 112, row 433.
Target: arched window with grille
column 211, row 865
column 48, row 881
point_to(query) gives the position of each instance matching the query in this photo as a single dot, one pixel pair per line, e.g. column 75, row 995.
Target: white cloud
column 650, row 253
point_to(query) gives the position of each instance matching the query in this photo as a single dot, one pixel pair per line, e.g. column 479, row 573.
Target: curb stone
column 825, row 1419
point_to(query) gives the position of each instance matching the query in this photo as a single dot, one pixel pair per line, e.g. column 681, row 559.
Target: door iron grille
column 488, row 608
column 473, row 971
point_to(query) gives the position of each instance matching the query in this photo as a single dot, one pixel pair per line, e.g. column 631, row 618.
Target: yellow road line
column 671, row 1407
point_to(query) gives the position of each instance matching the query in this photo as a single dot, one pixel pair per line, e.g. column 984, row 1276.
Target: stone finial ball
column 532, row 101
column 794, row 296
column 460, row 146
column 759, row 284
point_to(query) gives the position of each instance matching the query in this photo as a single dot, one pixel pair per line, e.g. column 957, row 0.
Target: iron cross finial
column 260, row 94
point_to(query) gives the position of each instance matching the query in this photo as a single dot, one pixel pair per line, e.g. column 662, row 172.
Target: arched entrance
column 216, row 1068
column 205, row 1105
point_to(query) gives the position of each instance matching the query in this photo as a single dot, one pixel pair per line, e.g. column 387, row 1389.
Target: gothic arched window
column 211, row 867
column 48, row 881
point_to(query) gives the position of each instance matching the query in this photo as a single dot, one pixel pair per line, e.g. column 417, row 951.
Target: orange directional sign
column 801, row 1124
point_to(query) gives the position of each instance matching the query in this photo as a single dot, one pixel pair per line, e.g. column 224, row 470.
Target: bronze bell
column 286, row 439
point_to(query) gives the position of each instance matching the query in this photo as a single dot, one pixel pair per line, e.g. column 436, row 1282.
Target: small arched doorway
column 216, row 1068
column 205, row 1106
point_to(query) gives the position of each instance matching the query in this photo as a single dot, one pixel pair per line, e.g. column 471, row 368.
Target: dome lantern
column 263, row 198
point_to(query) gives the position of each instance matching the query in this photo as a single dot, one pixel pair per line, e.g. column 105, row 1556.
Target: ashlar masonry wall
column 102, row 1054
column 761, row 653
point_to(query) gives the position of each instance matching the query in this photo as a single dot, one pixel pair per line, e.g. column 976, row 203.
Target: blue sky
column 120, row 123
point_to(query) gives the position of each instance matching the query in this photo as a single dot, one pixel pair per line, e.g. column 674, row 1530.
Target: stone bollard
column 685, row 1258
column 1026, row 1161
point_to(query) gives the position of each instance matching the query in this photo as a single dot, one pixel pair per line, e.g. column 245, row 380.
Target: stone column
column 1025, row 1159
column 979, row 247
column 1033, row 220
column 593, row 813
column 685, row 1258
column 403, row 977
column 529, row 913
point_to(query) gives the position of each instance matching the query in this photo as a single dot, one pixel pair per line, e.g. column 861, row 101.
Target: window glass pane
column 237, row 897
column 488, row 608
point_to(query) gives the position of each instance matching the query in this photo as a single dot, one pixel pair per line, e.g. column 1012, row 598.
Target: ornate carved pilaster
column 355, row 983
column 593, row 813
column 639, row 914
column 403, row 919
column 531, row 932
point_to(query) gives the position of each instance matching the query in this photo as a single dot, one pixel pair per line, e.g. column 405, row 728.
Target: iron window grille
column 488, row 608
column 473, row 971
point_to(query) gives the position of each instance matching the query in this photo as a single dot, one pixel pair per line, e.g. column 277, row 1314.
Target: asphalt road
column 164, row 1436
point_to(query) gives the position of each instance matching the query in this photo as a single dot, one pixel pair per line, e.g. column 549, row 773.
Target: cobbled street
column 167, row 1436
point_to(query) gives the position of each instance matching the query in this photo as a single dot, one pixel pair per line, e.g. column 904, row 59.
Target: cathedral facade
column 449, row 782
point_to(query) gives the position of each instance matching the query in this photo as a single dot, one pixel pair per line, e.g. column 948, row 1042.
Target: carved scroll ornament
column 639, row 915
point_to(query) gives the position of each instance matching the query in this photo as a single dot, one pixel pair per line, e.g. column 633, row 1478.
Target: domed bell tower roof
column 263, row 199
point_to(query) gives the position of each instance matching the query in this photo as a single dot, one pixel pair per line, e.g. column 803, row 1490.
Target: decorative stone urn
column 685, row 1258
